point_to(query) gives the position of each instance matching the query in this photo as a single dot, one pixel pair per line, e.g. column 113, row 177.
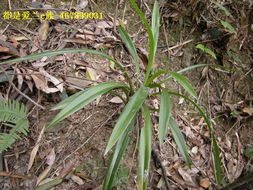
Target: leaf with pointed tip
column 58, row 52
column 217, row 160
column 206, row 50
column 184, row 83
column 130, row 46
column 180, row 141
column 117, row 156
column 127, row 115
column 164, row 115
column 144, row 150
column 82, row 99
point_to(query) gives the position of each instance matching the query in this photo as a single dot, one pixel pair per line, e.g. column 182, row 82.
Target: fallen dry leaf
column 41, row 81
column 77, row 179
column 43, row 30
column 205, row 182
column 51, row 157
column 43, row 175
column 116, row 100
column 35, row 149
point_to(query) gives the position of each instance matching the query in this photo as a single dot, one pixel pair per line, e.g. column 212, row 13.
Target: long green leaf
column 84, row 98
column 184, row 83
column 180, row 141
column 67, row 100
column 217, row 160
column 150, row 37
column 58, row 52
column 127, row 115
column 155, row 25
column 144, row 150
column 179, row 78
column 130, row 46
column 164, row 115
column 158, row 73
column 116, row 158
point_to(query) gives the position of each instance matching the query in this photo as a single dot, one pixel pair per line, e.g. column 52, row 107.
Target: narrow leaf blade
column 184, row 83
column 180, row 141
column 130, row 46
column 116, row 158
column 127, row 115
column 58, row 52
column 206, row 50
column 155, row 25
column 228, row 26
column 164, row 115
column 217, row 160
column 144, row 150
column 83, row 99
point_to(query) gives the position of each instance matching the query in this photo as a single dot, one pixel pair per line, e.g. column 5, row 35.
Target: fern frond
column 13, row 115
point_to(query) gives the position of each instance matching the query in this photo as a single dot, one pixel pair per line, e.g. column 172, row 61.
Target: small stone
column 195, row 150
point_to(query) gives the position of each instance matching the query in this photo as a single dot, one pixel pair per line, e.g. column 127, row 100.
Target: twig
column 157, row 159
column 9, row 174
column 21, row 93
column 239, row 182
column 9, row 2
column 178, row 45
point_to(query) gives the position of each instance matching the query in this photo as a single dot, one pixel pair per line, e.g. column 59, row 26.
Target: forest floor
column 75, row 147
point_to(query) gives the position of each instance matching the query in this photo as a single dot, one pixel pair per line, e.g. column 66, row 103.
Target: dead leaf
column 58, row 84
column 50, row 161
column 43, row 175
column 77, row 179
column 68, row 168
column 77, row 82
column 248, row 110
column 7, row 47
column 20, row 78
column 91, row 74
column 82, row 4
column 43, row 30
column 205, row 182
column 35, row 149
column 116, row 100
column 186, row 176
column 41, row 82
column 51, row 157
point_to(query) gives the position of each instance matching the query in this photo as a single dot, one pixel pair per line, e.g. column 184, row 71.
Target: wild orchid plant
column 137, row 97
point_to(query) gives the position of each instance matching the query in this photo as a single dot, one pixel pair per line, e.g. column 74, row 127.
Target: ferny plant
column 136, row 104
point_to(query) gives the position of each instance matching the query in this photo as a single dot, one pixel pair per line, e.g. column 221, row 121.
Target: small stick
column 24, row 95
column 9, row 174
column 157, row 159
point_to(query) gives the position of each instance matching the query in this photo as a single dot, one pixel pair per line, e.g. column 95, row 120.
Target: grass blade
column 58, row 52
column 180, row 141
column 228, row 26
column 67, row 100
column 144, row 150
column 164, row 116
column 184, row 83
column 150, row 37
column 155, row 25
column 190, row 68
column 130, row 46
column 127, row 115
column 206, row 50
column 116, row 158
column 84, row 98
column 217, row 160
